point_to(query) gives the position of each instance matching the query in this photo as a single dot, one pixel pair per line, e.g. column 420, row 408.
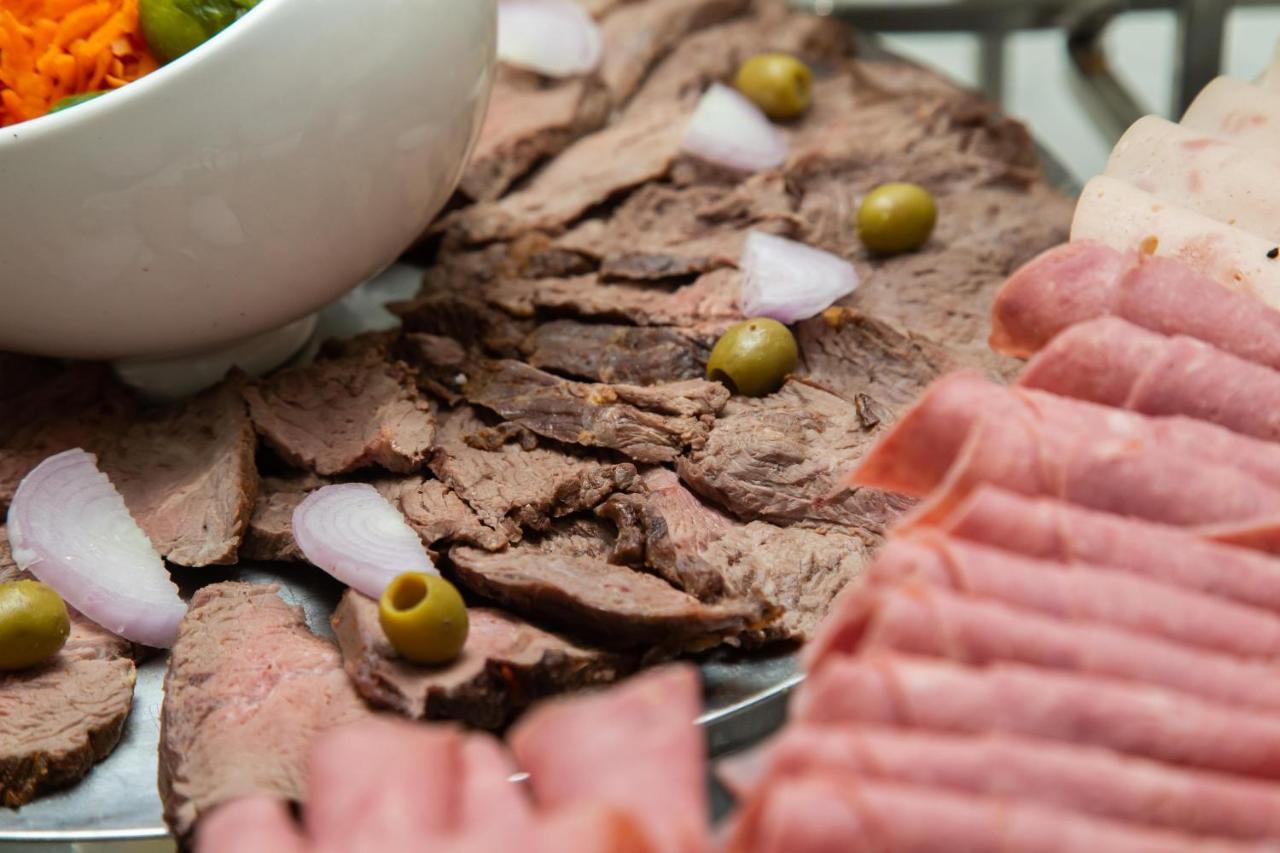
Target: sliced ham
column 1082, row 280
column 1116, row 363
column 1126, row 218
column 1089, row 781
column 910, row 692
column 966, row 431
column 923, row 619
column 834, row 812
column 1200, row 172
column 1052, row 530
column 1245, row 114
column 634, row 748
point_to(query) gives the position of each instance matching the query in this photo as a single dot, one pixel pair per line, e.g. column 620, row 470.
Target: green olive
column 754, row 357
column 896, row 218
column 777, row 83
column 175, row 27
column 424, row 617
column 74, row 100
column 33, row 624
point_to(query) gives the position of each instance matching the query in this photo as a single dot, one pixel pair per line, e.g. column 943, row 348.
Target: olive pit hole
column 409, row 593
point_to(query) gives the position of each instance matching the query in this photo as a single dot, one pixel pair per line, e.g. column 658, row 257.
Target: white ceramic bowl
column 245, row 185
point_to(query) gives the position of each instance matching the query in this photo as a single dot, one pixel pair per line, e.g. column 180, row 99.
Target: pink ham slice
column 1116, row 363
column 634, row 748
column 837, row 812
column 1090, row 781
column 1245, row 114
column 966, row 431
column 1082, row 280
column 1051, row 530
column 909, row 692
column 922, row 619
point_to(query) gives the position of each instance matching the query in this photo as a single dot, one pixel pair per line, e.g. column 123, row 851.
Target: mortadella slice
column 1115, row 363
column 1126, row 218
column 1245, row 114
column 1090, row 781
column 835, row 811
column 965, row 431
column 920, row 618
column 1200, row 172
column 1052, row 530
column 1079, row 281
column 912, row 692
column 1076, row 592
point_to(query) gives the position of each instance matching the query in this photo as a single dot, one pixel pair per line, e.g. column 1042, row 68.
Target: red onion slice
column 729, row 130
column 354, row 534
column 71, row 529
column 790, row 281
column 557, row 38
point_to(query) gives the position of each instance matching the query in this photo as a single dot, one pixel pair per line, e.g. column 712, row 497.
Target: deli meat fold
column 1244, row 114
column 1090, row 781
column 966, row 431
column 1060, row 532
column 893, row 689
column 1084, row 279
column 1118, row 364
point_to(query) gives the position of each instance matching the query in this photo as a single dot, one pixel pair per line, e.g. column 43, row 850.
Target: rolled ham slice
column 1116, row 363
column 1200, row 172
column 1076, row 592
column 1090, row 781
column 923, row 619
column 835, row 812
column 1079, row 281
column 909, row 692
column 1245, row 114
column 1052, row 530
column 966, row 431
column 1126, row 218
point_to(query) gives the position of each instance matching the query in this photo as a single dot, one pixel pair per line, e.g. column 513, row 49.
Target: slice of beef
column 464, row 317
column 343, row 414
column 625, row 354
column 648, row 424
column 187, row 474
column 637, row 35
column 249, row 689
column 779, row 458
column 506, row 665
column 270, row 533
column 438, row 515
column 566, row 579
column 512, row 486
column 664, row 232
column 627, row 153
column 704, row 309
column 530, row 119
column 59, row 719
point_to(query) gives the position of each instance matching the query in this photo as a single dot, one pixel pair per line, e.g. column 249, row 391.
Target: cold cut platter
column 542, row 418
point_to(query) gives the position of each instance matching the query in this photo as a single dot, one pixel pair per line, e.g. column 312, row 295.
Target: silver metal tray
column 118, row 800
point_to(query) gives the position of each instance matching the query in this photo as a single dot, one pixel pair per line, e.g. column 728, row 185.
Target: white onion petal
column 790, row 281
column 728, row 130
column 553, row 37
column 70, row 528
column 356, row 535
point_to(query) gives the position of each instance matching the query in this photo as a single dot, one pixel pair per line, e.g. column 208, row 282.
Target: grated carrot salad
column 50, row 49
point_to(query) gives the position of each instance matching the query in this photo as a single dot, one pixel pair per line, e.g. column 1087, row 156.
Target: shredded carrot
column 50, row 49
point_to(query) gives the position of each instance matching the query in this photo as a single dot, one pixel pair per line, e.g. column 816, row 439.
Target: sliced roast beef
column 343, row 414
column 462, row 316
column 530, row 119
column 511, row 486
column 248, row 690
column 187, row 474
column 623, row 354
column 59, row 719
column 565, row 578
column 270, row 533
column 438, row 515
column 507, row 664
column 779, row 458
column 648, row 424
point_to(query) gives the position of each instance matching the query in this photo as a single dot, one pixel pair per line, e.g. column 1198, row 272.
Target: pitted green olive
column 754, row 357
column 896, row 218
column 33, row 624
column 424, row 617
column 777, row 83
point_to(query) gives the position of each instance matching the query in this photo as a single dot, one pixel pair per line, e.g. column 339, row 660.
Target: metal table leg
column 991, row 59
column 1201, row 32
